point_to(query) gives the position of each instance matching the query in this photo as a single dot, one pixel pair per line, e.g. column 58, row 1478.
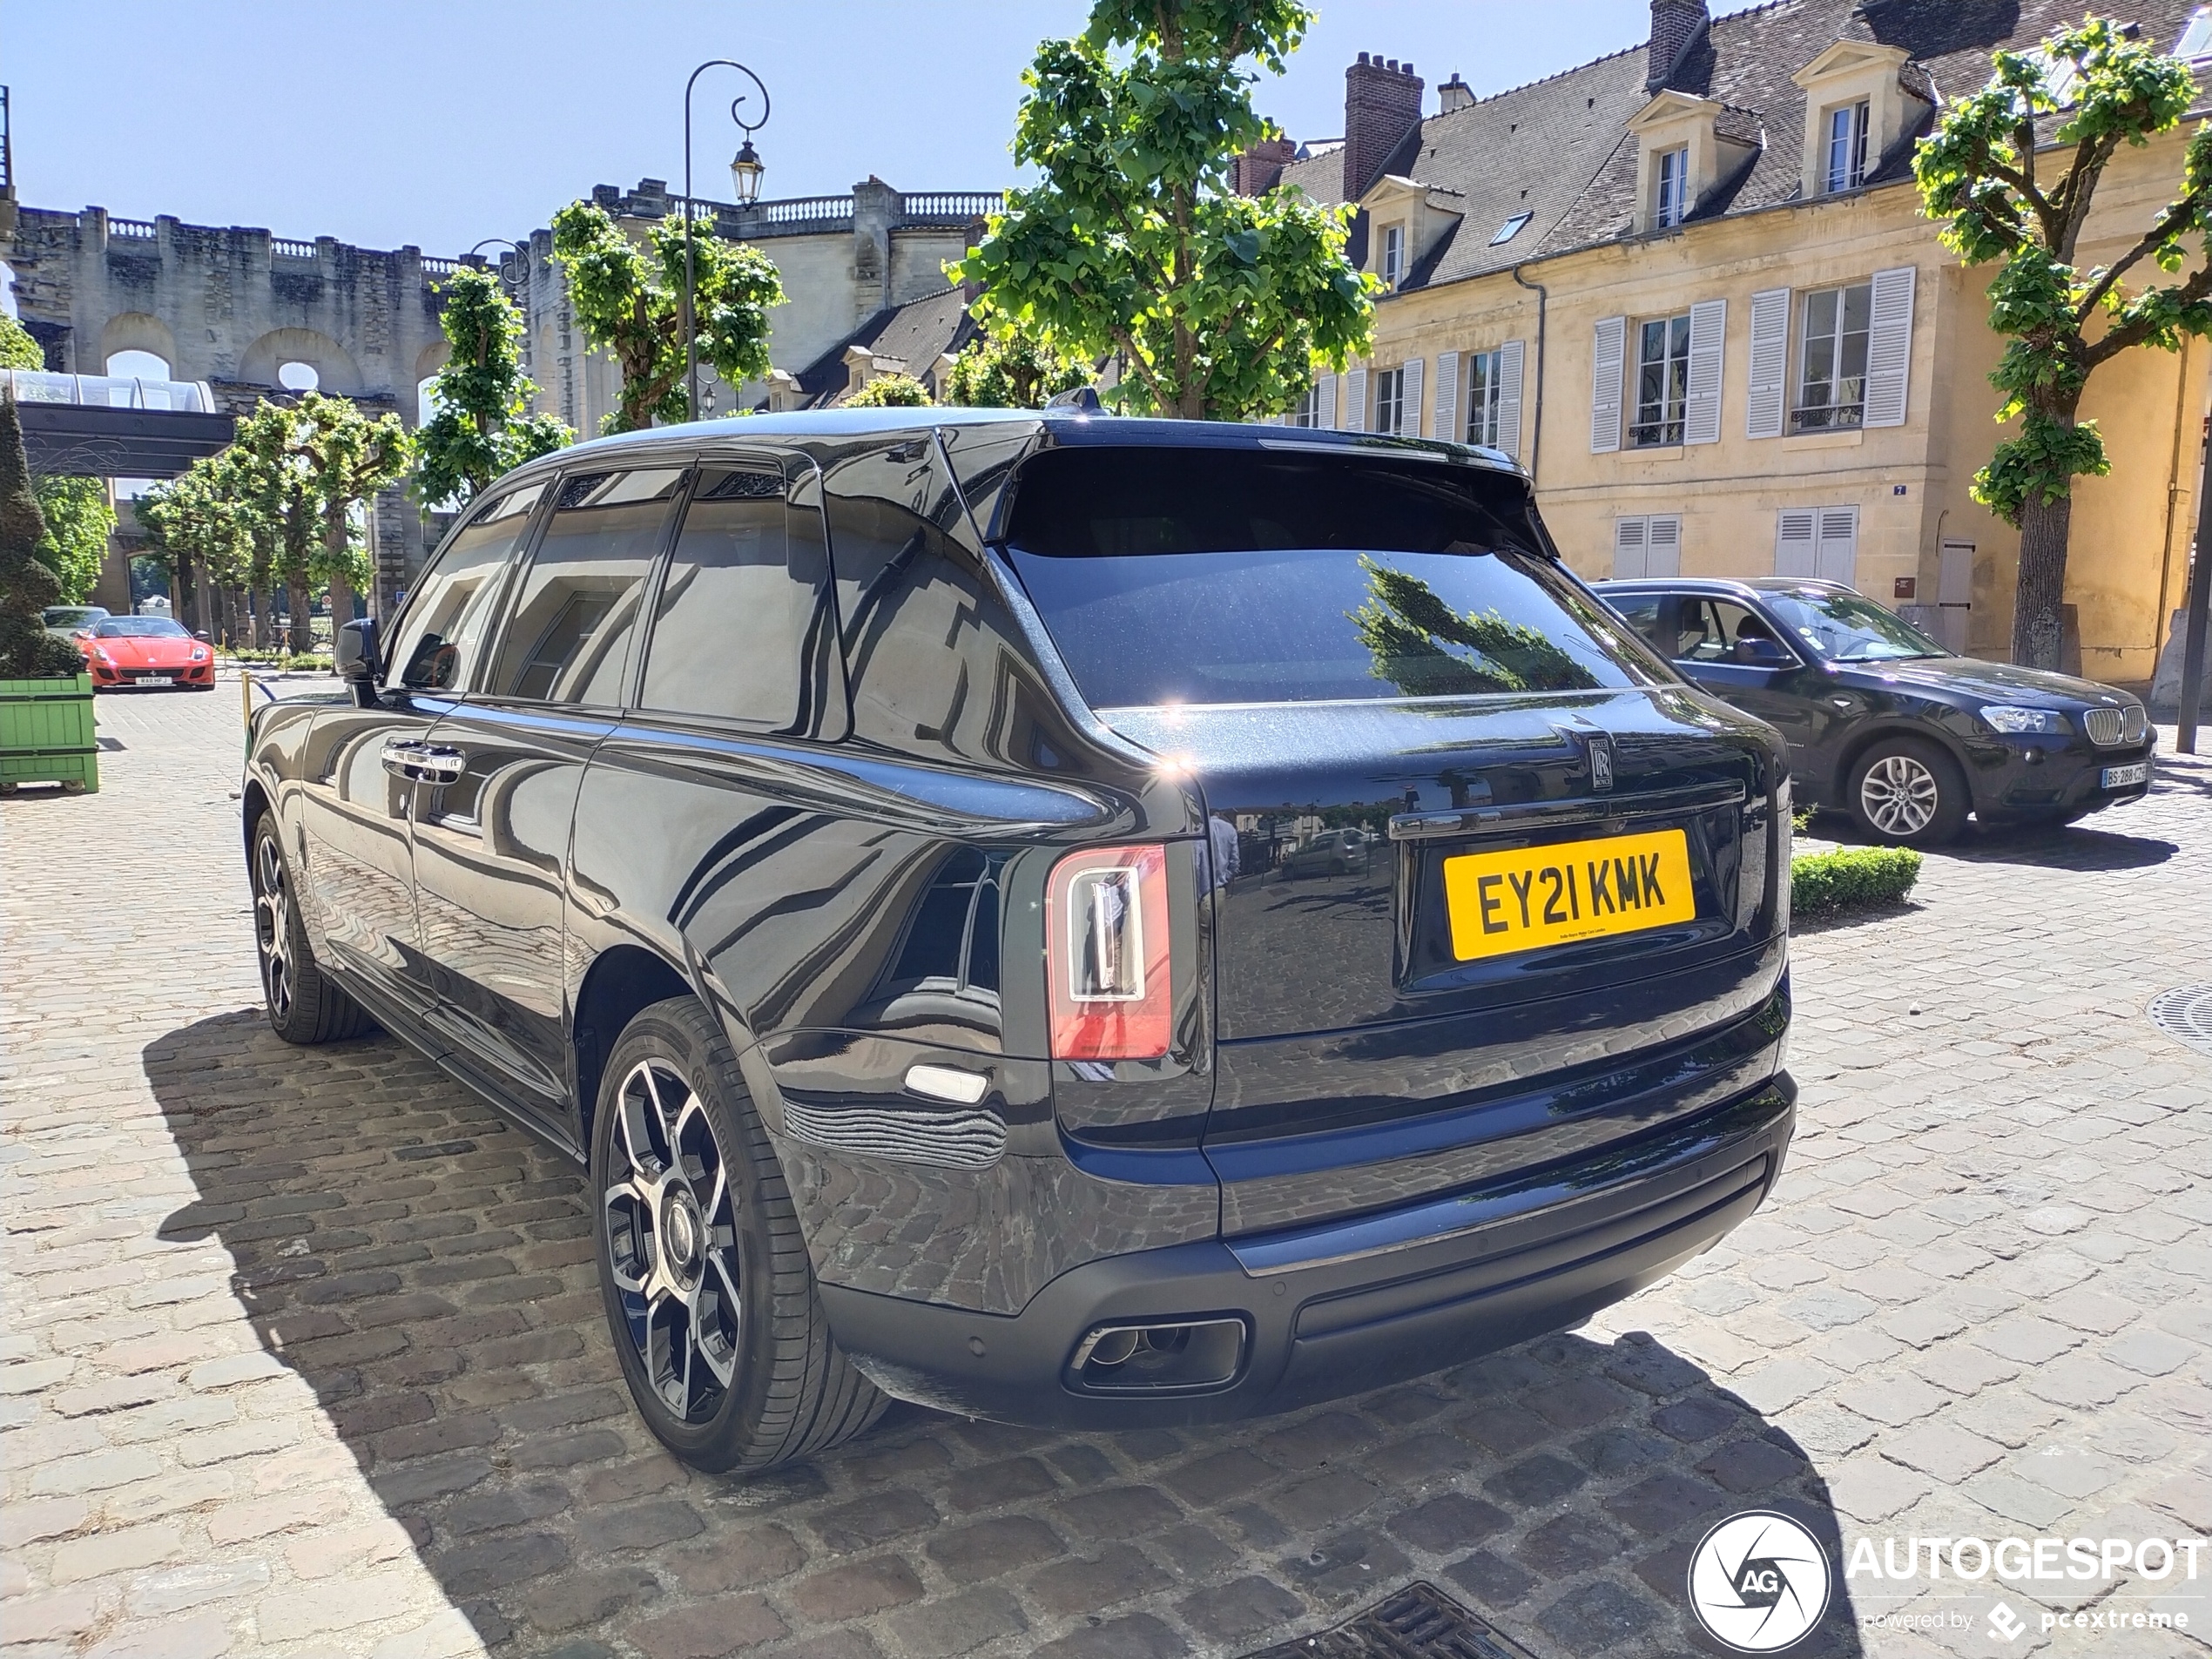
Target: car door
column 365, row 766
column 1710, row 648
column 491, row 830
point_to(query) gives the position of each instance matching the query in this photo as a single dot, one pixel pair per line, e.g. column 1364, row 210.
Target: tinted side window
column 1711, row 627
column 742, row 631
column 446, row 616
column 1641, row 611
column 933, row 660
column 568, row 637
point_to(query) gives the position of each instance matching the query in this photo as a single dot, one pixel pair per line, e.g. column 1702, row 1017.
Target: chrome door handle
column 399, row 758
column 436, row 765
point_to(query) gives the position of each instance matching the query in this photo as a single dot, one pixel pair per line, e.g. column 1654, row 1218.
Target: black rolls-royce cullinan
column 860, row 840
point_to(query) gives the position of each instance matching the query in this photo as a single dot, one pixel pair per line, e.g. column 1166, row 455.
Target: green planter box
column 46, row 733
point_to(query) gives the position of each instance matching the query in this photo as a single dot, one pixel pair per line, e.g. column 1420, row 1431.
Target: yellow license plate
column 1501, row 902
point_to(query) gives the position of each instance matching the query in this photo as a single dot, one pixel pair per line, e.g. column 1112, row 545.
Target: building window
column 1674, row 187
column 1663, row 381
column 1847, row 147
column 1832, row 375
column 1485, row 385
column 2196, row 35
column 1510, row 229
column 1394, row 257
column 1308, row 412
column 1390, row 400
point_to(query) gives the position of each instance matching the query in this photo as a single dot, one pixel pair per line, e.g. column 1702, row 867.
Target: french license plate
column 2121, row 776
column 1533, row 896
column 157, row 679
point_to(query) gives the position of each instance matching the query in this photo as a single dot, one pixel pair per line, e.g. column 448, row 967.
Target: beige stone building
column 1689, row 287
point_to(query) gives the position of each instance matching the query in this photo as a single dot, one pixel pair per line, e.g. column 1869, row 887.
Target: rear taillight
column 1106, row 945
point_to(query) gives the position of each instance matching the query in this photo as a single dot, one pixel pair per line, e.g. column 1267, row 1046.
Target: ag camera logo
column 1758, row 1581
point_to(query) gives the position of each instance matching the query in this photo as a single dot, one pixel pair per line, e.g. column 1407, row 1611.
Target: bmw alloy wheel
column 673, row 1238
column 1899, row 795
column 272, row 926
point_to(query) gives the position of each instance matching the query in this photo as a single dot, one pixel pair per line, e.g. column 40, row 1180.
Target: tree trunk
column 302, row 633
column 341, row 606
column 257, row 598
column 2036, row 625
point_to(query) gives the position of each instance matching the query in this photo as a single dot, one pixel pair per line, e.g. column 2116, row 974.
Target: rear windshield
column 1210, row 575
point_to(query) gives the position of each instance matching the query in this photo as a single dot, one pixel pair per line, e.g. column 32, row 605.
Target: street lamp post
column 745, row 169
column 512, row 283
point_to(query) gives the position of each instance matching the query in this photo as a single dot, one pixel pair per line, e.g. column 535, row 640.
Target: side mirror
column 354, row 655
column 204, row 637
column 1760, row 652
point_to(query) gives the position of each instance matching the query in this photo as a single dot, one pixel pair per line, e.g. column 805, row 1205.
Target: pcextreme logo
column 1758, row 1581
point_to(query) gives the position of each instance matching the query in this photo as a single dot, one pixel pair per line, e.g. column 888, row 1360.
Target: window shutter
column 1793, row 543
column 1509, row 398
column 1325, row 410
column 1355, row 400
column 1445, row 422
column 1836, row 556
column 1663, row 545
column 1889, row 346
column 1763, row 411
column 1409, row 419
column 1702, row 402
column 1630, row 556
column 1606, row 353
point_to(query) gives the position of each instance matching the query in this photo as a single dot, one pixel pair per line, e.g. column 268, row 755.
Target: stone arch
column 333, row 364
column 139, row 331
column 427, row 362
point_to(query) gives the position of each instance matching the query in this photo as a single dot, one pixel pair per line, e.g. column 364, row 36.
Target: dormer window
column 1847, row 146
column 1510, row 229
column 2196, row 43
column 1393, row 255
column 1672, row 203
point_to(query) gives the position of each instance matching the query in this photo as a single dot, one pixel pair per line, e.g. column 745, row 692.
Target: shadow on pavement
column 427, row 1271
column 2096, row 844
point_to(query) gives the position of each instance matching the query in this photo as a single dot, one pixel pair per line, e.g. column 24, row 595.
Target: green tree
column 27, row 586
column 628, row 299
column 890, row 392
column 1132, row 242
column 201, row 520
column 1011, row 368
column 79, row 518
column 1409, row 632
column 482, row 426
column 302, row 470
column 2095, row 90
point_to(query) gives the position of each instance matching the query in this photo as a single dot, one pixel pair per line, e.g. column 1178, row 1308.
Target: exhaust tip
column 1158, row 1357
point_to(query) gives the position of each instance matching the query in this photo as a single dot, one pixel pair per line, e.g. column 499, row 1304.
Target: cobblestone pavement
column 301, row 1353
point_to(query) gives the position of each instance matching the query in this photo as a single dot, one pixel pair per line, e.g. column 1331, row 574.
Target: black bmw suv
column 1886, row 723
column 866, row 840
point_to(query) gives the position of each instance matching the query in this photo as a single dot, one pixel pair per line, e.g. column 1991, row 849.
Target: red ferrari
column 145, row 650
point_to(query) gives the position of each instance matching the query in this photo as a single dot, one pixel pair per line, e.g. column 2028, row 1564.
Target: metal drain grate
column 1421, row 1622
column 2185, row 1014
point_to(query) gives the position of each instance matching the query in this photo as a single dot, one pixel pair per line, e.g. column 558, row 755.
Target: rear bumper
column 1342, row 1308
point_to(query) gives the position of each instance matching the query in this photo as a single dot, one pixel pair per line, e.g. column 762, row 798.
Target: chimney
column 1454, row 94
column 1382, row 104
column 1260, row 168
column 1675, row 23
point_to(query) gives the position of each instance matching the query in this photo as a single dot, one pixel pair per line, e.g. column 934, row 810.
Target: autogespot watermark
column 1760, row 1581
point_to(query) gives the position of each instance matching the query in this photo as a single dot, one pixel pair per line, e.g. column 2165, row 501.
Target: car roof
column 1058, row 427
column 1752, row 586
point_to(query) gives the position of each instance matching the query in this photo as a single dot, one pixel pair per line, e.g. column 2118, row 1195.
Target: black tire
column 304, row 1006
column 1908, row 791
column 687, row 1193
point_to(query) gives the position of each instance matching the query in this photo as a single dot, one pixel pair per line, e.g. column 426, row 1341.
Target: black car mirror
column 204, row 637
column 1757, row 650
column 354, row 655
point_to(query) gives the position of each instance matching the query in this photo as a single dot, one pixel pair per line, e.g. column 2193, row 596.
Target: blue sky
column 439, row 122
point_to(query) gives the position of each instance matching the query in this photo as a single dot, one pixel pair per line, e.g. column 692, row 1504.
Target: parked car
column 69, row 621
column 1336, row 851
column 803, row 823
column 146, row 652
column 1884, row 723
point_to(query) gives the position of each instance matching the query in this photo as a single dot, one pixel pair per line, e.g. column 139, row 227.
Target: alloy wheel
column 272, row 926
column 672, row 1240
column 1899, row 795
